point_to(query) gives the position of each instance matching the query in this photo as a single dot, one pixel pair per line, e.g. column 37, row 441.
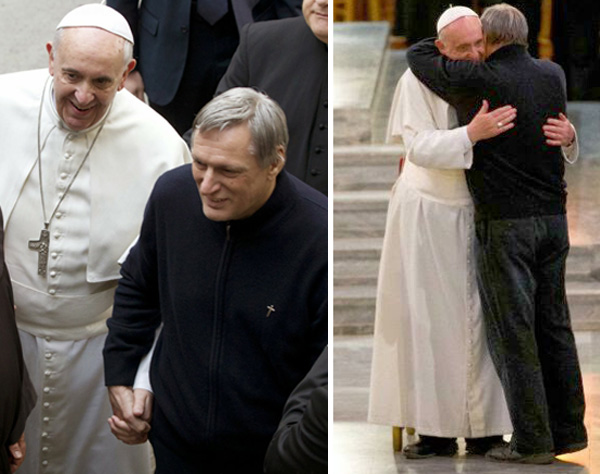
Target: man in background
column 184, row 47
column 268, row 58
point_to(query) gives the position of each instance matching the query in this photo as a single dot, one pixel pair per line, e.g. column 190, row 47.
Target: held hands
column 16, row 453
column 488, row 124
column 132, row 412
column 559, row 132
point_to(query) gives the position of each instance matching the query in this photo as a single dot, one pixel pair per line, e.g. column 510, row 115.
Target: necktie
column 212, row 10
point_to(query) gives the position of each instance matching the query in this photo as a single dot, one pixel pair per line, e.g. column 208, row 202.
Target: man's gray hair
column 127, row 45
column 504, row 24
column 266, row 121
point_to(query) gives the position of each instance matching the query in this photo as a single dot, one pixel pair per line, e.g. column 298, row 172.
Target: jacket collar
column 509, row 51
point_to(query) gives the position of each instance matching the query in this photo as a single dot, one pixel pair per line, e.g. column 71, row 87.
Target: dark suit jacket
column 17, row 396
column 161, row 32
column 300, row 443
column 285, row 59
column 515, row 174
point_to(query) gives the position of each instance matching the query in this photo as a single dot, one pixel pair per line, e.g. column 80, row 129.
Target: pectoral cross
column 41, row 246
column 271, row 309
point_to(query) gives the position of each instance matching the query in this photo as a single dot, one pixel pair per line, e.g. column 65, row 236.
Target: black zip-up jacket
column 515, row 174
column 225, row 363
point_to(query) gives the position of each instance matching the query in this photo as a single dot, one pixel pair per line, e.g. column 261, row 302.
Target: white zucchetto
column 453, row 14
column 98, row 16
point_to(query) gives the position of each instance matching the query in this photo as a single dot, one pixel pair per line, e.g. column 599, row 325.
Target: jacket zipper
column 217, row 343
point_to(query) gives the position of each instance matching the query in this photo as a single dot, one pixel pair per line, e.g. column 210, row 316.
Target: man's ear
column 275, row 168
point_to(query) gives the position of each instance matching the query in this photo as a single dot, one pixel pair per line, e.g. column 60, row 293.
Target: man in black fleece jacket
column 520, row 204
column 232, row 260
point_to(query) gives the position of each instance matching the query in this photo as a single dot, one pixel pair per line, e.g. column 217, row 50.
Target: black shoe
column 429, row 446
column 508, row 454
column 570, row 448
column 480, row 446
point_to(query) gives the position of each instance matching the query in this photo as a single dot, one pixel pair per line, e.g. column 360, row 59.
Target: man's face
column 88, row 69
column 463, row 40
column 315, row 14
column 232, row 185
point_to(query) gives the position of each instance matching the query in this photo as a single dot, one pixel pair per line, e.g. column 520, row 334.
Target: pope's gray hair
column 127, row 45
column 504, row 24
column 265, row 118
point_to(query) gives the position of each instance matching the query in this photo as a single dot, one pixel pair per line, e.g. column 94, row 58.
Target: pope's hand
column 488, row 124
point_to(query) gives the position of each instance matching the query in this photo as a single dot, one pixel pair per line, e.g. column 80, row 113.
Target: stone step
column 366, row 167
column 360, row 214
column 356, row 262
column 354, row 307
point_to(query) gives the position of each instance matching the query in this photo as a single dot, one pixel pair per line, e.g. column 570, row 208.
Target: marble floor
column 359, row 447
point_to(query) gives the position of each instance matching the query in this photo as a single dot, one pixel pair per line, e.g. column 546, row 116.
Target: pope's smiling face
column 88, row 66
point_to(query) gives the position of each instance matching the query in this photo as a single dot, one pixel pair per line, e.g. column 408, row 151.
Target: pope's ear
column 50, row 51
column 130, row 67
column 440, row 46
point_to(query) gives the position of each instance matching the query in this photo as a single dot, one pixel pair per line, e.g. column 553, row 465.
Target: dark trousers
column 521, row 277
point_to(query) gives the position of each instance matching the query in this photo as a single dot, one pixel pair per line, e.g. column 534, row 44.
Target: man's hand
column 132, row 412
column 16, row 453
column 488, row 124
column 135, row 84
column 559, row 132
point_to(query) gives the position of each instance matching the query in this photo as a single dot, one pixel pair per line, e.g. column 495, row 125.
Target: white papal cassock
column 62, row 316
column 431, row 366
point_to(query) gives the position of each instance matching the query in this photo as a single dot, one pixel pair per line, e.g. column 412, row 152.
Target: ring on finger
column 499, row 124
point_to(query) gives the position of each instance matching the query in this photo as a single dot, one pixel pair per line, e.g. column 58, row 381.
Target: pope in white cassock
column 431, row 367
column 78, row 159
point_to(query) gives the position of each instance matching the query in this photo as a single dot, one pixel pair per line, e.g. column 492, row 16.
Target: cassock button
column 47, row 373
column 46, row 404
column 67, row 156
column 318, row 150
column 64, row 176
column 46, row 419
column 325, row 104
column 56, row 235
column 48, row 338
column 322, row 126
column 48, row 355
column 54, row 255
column 315, row 172
column 184, row 29
column 52, row 291
column 59, row 214
column 53, row 274
column 45, row 449
column 44, row 435
column 44, row 462
column 46, row 389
